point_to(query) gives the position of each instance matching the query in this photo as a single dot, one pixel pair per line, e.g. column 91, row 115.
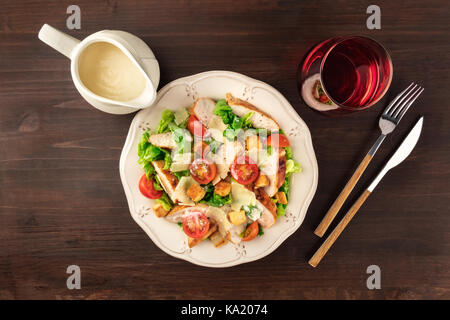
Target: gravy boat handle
column 58, row 40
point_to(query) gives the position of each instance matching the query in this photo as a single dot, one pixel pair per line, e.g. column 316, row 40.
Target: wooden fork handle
column 326, row 245
column 336, row 206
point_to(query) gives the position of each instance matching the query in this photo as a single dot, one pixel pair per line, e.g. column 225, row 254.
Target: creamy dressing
column 108, row 72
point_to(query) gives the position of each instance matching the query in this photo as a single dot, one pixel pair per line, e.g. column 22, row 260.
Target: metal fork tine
column 386, row 111
column 401, row 106
column 405, row 97
column 405, row 108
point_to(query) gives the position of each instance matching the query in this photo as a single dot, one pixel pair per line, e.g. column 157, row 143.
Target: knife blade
column 402, row 152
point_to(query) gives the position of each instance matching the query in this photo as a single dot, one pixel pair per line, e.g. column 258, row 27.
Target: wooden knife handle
column 336, row 206
column 326, row 245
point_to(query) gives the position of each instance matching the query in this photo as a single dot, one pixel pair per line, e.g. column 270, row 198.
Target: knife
column 400, row 154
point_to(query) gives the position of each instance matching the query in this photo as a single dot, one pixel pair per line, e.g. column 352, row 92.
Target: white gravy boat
column 133, row 47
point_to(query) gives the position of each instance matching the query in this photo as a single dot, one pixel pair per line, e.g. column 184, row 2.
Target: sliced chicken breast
column 268, row 207
column 168, row 180
column 178, row 212
column 259, row 118
column 203, row 109
column 269, row 166
column 281, row 174
column 163, row 140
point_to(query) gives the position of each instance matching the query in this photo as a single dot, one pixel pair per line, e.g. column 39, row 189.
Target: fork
column 389, row 120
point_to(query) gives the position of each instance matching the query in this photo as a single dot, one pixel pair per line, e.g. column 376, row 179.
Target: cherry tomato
column 195, row 224
column 147, row 188
column 277, row 140
column 196, row 127
column 203, row 170
column 251, row 232
column 244, row 170
column 324, row 99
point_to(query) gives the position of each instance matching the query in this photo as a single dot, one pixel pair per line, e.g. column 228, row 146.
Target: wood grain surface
column 61, row 199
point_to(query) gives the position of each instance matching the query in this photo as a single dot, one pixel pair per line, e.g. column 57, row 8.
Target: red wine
column 351, row 73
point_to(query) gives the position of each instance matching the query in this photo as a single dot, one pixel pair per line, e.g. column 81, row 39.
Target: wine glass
column 345, row 74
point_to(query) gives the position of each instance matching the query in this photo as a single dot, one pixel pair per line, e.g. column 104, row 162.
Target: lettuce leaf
column 292, row 167
column 214, row 146
column 247, row 123
column 288, row 153
column 157, row 184
column 167, row 159
column 147, row 153
column 281, row 209
column 180, row 174
column 224, row 111
column 234, row 122
column 182, row 138
column 261, row 231
column 165, row 202
column 167, row 117
column 213, row 199
column 219, row 201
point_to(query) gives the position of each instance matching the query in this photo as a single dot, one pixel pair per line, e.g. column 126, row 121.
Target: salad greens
column 214, row 199
column 182, row 138
column 234, row 122
column 260, row 230
column 214, row 146
column 165, row 202
column 288, row 152
column 322, row 93
column 167, row 117
column 281, row 208
column 291, row 165
column 147, row 153
column 180, row 174
column 157, row 184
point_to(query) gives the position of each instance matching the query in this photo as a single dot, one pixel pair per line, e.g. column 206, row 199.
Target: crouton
column 217, row 239
column 237, row 217
column 281, row 197
column 262, row 181
column 195, row 192
column 159, row 210
column 253, row 143
column 223, row 188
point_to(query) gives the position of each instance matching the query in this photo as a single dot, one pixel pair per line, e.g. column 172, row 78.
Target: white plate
column 215, row 84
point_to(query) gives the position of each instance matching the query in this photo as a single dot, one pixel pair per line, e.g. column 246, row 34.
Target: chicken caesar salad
column 219, row 169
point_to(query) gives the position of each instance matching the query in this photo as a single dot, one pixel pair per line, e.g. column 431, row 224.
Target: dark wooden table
column 62, row 202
